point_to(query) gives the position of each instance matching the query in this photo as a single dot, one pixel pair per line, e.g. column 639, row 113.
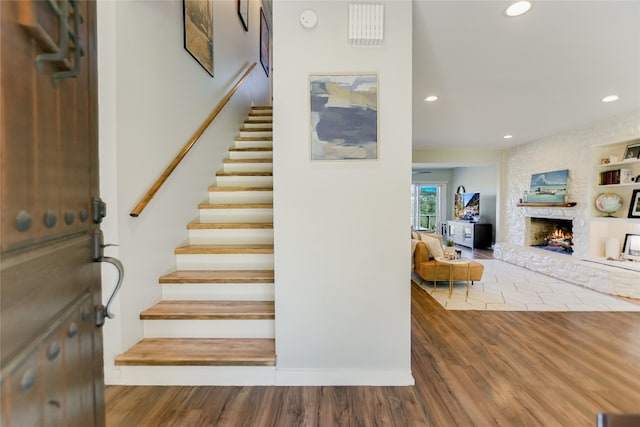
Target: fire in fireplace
column 551, row 234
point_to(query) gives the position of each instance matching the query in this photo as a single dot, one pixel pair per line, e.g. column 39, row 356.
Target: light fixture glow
column 610, row 98
column 508, row 136
column 518, row 8
column 431, row 98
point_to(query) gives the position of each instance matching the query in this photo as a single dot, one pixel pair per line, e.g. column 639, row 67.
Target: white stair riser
column 251, row 143
column 219, row 292
column 231, row 236
column 250, row 155
column 260, row 115
column 235, row 216
column 257, row 125
column 244, row 181
column 199, row 328
column 247, row 167
column 240, row 197
column 256, row 133
column 224, row 261
column 198, row 375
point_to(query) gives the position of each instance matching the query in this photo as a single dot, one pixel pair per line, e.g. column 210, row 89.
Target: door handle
column 102, row 311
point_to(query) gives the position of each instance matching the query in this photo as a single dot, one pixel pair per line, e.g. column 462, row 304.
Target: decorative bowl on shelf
column 608, row 203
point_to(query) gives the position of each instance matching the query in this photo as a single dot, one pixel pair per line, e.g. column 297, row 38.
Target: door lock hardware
column 99, row 210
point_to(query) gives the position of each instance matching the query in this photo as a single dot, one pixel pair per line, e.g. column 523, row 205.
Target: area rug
column 508, row 287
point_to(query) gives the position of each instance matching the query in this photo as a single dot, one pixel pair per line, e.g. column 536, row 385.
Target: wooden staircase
column 215, row 324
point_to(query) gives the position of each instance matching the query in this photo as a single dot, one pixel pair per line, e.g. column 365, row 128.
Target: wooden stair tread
column 262, row 107
column 200, row 352
column 247, row 161
column 235, row 206
column 229, row 226
column 218, row 276
column 222, row 189
column 209, row 310
column 254, row 138
column 252, row 173
column 224, row 249
column 250, row 148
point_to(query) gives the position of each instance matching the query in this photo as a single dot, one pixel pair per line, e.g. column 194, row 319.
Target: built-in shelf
column 628, row 162
column 602, row 227
column 628, row 184
column 550, row 205
column 614, row 219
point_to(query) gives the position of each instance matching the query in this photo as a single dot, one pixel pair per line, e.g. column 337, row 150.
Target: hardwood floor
column 472, row 368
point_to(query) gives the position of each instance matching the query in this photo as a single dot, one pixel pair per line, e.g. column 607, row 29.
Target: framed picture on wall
column 548, row 187
column 264, row 43
column 632, row 152
column 631, row 247
column 198, row 31
column 343, row 116
column 243, row 13
column 634, row 205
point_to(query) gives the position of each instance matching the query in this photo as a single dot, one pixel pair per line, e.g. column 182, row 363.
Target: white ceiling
column 531, row 76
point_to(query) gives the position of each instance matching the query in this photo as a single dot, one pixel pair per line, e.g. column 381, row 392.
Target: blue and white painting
column 344, row 117
column 548, row 187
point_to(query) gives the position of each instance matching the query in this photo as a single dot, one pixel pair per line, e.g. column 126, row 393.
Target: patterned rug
column 508, row 287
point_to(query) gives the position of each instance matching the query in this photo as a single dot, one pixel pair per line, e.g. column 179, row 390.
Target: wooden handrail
column 163, row 177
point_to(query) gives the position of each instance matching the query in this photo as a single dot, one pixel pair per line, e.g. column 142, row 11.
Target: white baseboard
column 343, row 377
column 112, row 376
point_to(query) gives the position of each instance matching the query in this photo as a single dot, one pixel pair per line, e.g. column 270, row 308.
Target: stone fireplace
column 578, row 151
column 552, row 234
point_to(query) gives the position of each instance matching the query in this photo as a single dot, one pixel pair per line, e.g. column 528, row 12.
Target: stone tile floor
column 508, row 287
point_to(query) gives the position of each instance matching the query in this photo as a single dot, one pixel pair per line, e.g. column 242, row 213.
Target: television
column 467, row 207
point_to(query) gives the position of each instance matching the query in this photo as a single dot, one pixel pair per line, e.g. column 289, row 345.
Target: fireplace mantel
column 543, row 205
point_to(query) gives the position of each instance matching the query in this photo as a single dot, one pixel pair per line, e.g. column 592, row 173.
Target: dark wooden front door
column 50, row 347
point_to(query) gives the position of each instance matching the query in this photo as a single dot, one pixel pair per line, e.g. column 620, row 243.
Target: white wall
column 483, row 180
column 341, row 228
column 153, row 96
column 456, row 157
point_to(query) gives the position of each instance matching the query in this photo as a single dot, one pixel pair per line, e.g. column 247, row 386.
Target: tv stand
column 470, row 234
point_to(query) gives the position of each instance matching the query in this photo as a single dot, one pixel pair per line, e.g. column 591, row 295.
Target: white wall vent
column 366, row 24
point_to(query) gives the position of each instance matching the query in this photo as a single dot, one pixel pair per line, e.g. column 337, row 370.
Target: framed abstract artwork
column 264, row 43
column 198, row 31
column 344, row 116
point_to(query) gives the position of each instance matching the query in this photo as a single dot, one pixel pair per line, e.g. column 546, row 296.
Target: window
column 425, row 202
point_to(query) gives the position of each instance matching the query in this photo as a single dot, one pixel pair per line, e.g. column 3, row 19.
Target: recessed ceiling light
column 518, row 8
column 610, row 98
column 508, row 136
column 431, row 98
